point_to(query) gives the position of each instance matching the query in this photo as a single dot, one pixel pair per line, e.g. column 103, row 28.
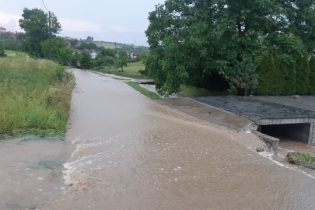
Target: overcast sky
column 109, row 20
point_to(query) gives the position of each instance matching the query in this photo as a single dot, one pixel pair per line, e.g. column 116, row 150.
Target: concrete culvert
column 293, row 132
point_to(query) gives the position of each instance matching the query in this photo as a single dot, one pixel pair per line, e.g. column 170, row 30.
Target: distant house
column 3, row 30
column 133, row 56
column 7, row 34
column 93, row 54
column 11, row 35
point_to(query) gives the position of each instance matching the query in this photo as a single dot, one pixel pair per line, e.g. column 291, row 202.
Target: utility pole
column 49, row 24
column 49, row 32
column 49, row 27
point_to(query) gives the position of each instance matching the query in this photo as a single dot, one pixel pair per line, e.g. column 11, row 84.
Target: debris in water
column 260, row 149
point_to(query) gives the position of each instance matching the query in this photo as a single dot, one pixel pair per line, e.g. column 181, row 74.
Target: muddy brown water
column 31, row 171
column 127, row 152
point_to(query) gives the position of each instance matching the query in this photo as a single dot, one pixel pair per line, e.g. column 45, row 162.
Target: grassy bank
column 17, row 54
column 143, row 91
column 132, row 70
column 35, row 97
column 190, row 91
column 301, row 159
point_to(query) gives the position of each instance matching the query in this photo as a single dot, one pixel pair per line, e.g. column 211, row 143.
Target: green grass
column 132, row 70
column 301, row 158
column 190, row 91
column 35, row 97
column 143, row 91
column 18, row 54
column 135, row 67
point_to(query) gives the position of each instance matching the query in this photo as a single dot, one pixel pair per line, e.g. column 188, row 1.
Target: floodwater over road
column 131, row 153
column 31, row 171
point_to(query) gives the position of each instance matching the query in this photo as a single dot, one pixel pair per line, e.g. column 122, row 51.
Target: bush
column 277, row 77
column 302, row 76
column 2, row 53
column 312, row 77
column 85, row 60
column 269, row 75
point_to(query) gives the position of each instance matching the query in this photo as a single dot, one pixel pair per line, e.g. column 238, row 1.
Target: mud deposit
column 131, row 153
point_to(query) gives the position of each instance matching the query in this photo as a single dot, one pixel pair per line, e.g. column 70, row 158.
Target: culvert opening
column 288, row 132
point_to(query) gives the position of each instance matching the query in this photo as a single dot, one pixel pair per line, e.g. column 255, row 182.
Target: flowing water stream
column 123, row 151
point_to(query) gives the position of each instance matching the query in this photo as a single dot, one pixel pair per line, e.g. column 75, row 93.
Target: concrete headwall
column 299, row 129
column 312, row 134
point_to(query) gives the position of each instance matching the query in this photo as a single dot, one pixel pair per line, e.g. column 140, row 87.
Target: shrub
column 2, row 53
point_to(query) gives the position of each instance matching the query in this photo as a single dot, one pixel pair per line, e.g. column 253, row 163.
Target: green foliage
column 38, row 28
column 191, row 91
column 302, row 71
column 85, row 60
column 88, row 46
column 277, row 77
column 143, row 91
column 16, row 54
column 105, row 57
column 75, row 60
column 2, row 52
column 122, row 60
column 312, row 76
column 269, row 74
column 13, row 44
column 192, row 40
column 33, row 104
column 57, row 50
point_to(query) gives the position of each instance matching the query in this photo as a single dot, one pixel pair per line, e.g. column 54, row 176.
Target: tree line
column 40, row 40
column 245, row 47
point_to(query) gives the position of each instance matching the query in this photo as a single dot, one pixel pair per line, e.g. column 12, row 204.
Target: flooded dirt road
column 31, row 171
column 131, row 153
column 134, row 154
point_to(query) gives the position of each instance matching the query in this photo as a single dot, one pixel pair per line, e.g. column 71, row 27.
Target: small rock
column 260, row 149
column 296, row 96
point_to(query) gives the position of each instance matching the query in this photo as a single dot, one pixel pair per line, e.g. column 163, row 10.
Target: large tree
column 38, row 26
column 193, row 41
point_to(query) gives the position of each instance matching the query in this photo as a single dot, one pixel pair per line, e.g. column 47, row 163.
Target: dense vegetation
column 244, row 46
column 35, row 96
